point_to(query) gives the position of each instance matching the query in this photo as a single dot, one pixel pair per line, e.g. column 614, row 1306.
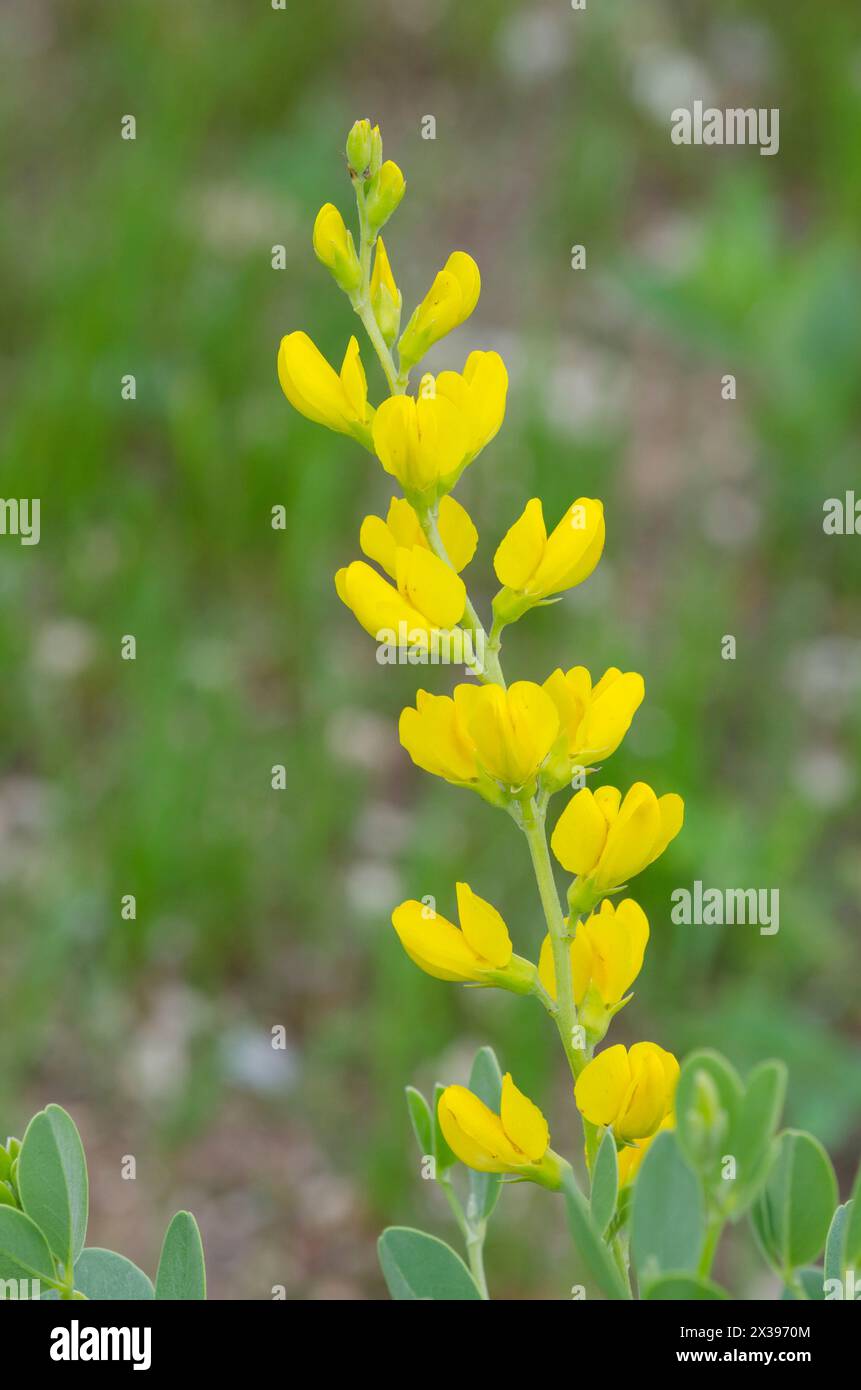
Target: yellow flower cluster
column 517, row 745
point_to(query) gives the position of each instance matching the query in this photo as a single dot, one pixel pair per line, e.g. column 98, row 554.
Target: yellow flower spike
column 428, row 597
column 340, row 402
column 383, row 194
column 333, row 245
column 479, row 392
column 512, row 730
column 532, row 566
column 515, row 1141
column 380, row 539
column 385, row 296
column 478, row 952
column 630, row 1092
column 449, row 301
column 423, row 443
column 606, row 958
column 606, row 841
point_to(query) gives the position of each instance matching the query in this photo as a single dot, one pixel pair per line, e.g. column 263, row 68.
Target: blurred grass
column 256, row 908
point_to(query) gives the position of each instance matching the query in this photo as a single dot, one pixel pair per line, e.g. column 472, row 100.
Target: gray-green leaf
column 103, row 1274
column 24, row 1253
column 684, row 1287
column 794, row 1211
column 605, row 1183
column 587, row 1238
column 52, row 1182
column 181, row 1270
column 418, row 1266
column 668, row 1215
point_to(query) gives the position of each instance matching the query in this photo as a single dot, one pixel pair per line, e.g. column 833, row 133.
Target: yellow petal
column 520, row 550
column 479, row 392
column 464, row 269
column 523, row 1122
column 572, row 551
column 580, row 956
column 430, row 587
column 311, row 386
column 672, row 812
column 378, row 607
column 435, row 739
column 609, row 715
column 483, row 927
column 630, row 838
column 353, row 380
column 617, row 939
column 645, row 1105
column 457, row 532
column 378, row 543
column 474, row 1133
column 435, row 944
column 580, row 834
column 603, row 1085
column 382, row 272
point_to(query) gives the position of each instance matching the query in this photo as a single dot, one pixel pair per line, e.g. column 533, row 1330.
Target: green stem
column 566, row 1012
column 713, row 1235
column 492, row 673
column 473, row 1237
column 361, row 302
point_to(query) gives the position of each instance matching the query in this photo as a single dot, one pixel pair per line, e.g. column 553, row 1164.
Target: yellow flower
column 380, row 540
column 435, row 738
column 606, row 841
column 383, row 193
column 630, row 1156
column 517, row 1140
column 606, row 958
column 314, row 389
column 386, row 298
column 478, row 952
column 595, row 718
column 429, row 598
column 511, row 730
column 423, row 443
column 533, row 566
column 333, row 245
column 450, row 299
column 479, row 393
column 630, row 1092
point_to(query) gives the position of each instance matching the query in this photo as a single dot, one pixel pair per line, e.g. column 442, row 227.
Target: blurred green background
column 258, row 908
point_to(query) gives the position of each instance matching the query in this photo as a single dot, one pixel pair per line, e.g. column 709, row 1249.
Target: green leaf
column 181, row 1271
column 812, row 1282
column 605, row 1183
column 7, row 1196
column 835, row 1242
column 793, row 1213
column 587, row 1238
column 421, row 1120
column 668, row 1216
column 684, row 1287
column 5, row 1164
column 485, row 1080
column 750, row 1140
column 52, row 1182
column 24, row 1253
column 708, row 1099
column 103, row 1274
column 418, row 1266
column 852, row 1246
